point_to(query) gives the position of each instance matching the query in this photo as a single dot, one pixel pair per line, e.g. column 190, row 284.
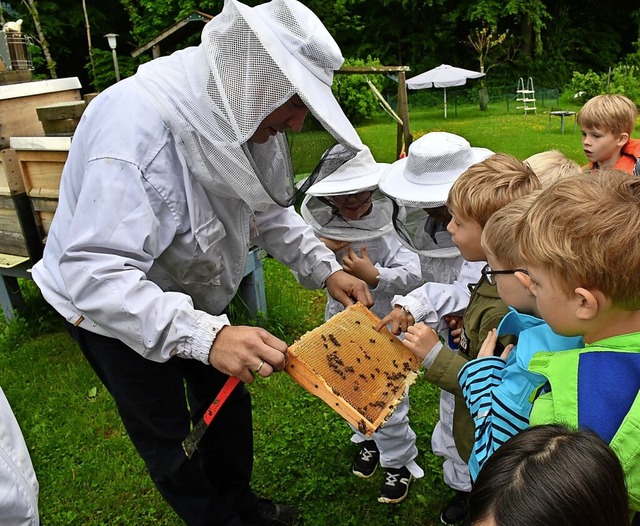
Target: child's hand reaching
column 489, row 346
column 420, row 339
column 453, row 320
column 399, row 319
column 333, row 244
column 455, row 327
column 361, row 266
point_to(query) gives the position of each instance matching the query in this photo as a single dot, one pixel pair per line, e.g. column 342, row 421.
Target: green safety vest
column 608, row 383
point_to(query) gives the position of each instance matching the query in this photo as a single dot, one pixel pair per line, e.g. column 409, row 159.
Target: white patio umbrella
column 444, row 76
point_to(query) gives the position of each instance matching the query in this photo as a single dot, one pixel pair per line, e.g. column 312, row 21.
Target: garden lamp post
column 111, row 38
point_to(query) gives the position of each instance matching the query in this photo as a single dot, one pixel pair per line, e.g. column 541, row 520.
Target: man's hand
column 361, row 266
column 489, row 346
column 347, row 289
column 239, row 351
column 399, row 319
column 420, row 339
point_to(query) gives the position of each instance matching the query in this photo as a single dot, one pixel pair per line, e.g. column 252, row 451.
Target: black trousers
column 157, row 403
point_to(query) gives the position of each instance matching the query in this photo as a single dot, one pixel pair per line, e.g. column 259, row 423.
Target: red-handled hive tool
column 190, row 443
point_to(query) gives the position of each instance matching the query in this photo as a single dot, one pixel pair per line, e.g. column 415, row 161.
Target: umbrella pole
column 445, row 103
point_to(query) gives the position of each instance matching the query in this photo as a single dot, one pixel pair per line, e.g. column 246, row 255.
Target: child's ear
column 589, row 303
column 623, row 139
column 524, row 280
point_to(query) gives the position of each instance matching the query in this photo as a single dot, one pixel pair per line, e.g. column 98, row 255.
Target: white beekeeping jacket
column 18, row 482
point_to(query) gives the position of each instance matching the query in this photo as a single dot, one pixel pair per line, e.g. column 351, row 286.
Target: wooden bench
column 30, row 173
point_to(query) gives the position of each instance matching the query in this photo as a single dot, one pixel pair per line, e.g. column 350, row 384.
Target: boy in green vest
column 581, row 246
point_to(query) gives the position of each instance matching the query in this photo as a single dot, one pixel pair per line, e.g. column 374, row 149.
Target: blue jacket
column 500, row 393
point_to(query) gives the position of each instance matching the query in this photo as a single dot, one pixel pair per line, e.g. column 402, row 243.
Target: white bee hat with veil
column 339, row 173
column 214, row 96
column 422, row 180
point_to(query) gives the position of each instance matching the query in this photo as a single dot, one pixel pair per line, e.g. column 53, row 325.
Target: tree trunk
column 483, row 93
column 88, row 27
column 526, row 32
column 483, row 97
column 33, row 11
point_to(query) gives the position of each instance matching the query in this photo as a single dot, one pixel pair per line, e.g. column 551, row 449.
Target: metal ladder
column 527, row 96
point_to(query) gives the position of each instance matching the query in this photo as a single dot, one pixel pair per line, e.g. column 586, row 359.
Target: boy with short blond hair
column 480, row 191
column 499, row 234
column 581, row 247
column 498, row 389
column 607, row 122
column 552, row 165
column 489, row 185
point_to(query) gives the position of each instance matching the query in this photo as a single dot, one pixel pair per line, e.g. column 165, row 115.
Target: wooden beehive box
column 359, row 372
column 41, row 160
column 13, row 206
column 18, row 103
column 61, row 118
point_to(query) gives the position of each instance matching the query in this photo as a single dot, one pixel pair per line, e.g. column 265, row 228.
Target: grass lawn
column 89, row 472
column 497, row 129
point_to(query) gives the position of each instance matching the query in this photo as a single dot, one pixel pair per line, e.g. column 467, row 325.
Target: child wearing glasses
column 498, row 388
column 480, row 191
column 353, row 219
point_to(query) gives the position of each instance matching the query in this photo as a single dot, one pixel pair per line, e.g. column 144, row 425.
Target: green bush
column 353, row 93
column 623, row 79
column 585, row 86
column 105, row 74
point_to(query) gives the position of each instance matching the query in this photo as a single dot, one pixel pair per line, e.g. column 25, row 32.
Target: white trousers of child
column 456, row 471
column 396, row 441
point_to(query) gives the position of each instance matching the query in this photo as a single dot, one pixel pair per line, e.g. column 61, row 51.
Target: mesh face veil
column 423, row 233
column 341, row 174
column 419, row 185
column 213, row 97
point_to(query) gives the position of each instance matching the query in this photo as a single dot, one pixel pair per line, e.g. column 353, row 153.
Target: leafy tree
column 554, row 37
column 353, row 92
column 32, row 8
column 487, row 43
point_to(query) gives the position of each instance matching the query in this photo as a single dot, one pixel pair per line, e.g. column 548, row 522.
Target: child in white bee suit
column 353, row 218
column 419, row 185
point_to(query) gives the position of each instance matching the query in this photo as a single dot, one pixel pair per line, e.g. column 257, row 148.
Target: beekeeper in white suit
column 172, row 175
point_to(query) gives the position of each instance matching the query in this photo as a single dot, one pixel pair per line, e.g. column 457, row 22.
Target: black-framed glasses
column 490, row 274
column 359, row 198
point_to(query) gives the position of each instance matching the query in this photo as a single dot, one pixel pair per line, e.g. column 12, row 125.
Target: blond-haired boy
column 607, row 122
column 552, row 165
column 581, row 247
column 498, row 389
column 480, row 191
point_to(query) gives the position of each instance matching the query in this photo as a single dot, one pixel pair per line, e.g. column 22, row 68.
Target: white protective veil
column 340, row 172
column 420, row 183
column 214, row 96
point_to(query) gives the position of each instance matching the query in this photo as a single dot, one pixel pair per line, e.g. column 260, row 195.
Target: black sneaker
column 366, row 461
column 457, row 510
column 272, row 514
column 396, row 485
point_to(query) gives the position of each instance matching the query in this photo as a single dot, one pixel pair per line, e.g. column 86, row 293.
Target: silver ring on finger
column 260, row 366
